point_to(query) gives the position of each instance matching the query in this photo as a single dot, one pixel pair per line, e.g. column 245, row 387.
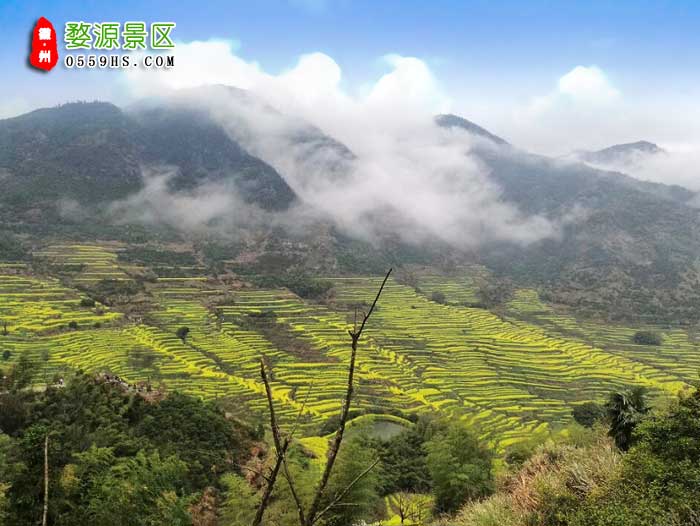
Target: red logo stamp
column 44, row 53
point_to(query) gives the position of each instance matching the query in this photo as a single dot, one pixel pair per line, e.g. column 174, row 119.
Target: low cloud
column 587, row 108
column 678, row 164
column 402, row 174
column 211, row 206
column 413, row 179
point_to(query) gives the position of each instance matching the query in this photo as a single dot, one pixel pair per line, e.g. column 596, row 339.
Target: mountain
column 454, row 121
column 620, row 153
column 626, row 247
column 203, row 152
column 539, row 183
column 295, row 147
column 95, row 152
column 75, row 150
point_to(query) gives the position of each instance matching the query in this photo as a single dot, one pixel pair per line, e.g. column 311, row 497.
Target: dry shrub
column 494, row 511
column 563, row 470
column 554, row 471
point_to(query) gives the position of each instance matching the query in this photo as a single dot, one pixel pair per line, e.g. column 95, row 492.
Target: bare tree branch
column 287, row 474
column 374, row 304
column 295, row 495
column 265, row 501
column 277, row 440
column 271, row 405
column 46, row 481
column 281, row 447
column 334, row 448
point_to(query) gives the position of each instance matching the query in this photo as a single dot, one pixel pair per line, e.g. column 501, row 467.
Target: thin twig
column 280, row 449
column 265, row 501
column 46, row 481
column 339, row 497
column 313, row 515
column 334, row 448
column 287, row 474
column 374, row 304
column 277, row 440
column 271, row 405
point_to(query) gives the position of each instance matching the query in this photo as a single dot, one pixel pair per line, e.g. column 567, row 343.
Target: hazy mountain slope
column 92, row 152
column 300, row 151
column 629, row 247
column 643, row 161
column 455, row 121
column 541, row 184
column 83, row 151
column 620, row 152
column 203, row 152
column 518, row 170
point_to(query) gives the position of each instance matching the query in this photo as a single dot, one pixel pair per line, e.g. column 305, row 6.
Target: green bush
column 108, row 290
column 115, row 458
column 588, row 413
column 87, row 302
column 624, row 411
column 496, row 511
column 11, row 249
column 182, row 333
column 460, row 467
column 438, row 297
column 403, row 466
column 647, row 338
column 301, row 284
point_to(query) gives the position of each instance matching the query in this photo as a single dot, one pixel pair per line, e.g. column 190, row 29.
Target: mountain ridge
column 618, row 152
column 450, row 120
column 94, row 152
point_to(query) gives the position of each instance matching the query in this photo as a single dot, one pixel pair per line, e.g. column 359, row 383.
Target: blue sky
column 492, row 58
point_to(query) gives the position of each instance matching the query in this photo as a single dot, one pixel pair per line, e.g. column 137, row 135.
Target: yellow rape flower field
column 514, row 374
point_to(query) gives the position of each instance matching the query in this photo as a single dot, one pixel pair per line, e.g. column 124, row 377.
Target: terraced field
column 512, row 375
column 510, row 378
column 679, row 356
column 94, row 262
column 458, row 290
column 29, row 305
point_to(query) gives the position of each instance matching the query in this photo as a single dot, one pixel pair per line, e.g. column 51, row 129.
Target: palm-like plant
column 625, row 409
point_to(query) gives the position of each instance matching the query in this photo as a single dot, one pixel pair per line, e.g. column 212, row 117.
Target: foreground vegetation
column 109, row 454
column 592, row 483
column 97, row 451
column 112, row 457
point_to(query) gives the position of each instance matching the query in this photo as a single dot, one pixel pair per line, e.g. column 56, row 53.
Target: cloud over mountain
column 404, row 173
